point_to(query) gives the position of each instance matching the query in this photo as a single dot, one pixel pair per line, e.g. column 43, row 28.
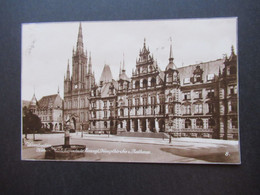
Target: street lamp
column 82, row 129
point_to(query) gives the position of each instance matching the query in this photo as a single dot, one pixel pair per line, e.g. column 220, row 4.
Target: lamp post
column 82, row 124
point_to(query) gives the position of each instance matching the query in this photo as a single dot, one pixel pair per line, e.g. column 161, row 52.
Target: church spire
column 58, row 92
column 120, row 70
column 171, row 56
column 68, row 71
column 80, row 40
column 123, row 70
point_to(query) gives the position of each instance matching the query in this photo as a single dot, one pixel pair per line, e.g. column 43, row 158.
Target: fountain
column 66, row 151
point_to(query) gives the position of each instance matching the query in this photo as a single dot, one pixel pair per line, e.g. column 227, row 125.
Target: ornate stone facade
column 193, row 101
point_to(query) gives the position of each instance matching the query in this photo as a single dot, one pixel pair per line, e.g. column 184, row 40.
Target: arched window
column 187, row 124
column 211, row 123
column 144, row 83
column 170, row 77
column 121, row 112
column 199, row 123
column 153, row 82
column 137, row 85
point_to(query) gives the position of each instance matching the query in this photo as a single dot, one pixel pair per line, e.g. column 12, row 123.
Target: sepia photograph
column 140, row 91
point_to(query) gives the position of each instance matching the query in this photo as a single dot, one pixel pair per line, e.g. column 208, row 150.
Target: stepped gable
column 106, row 75
column 211, row 67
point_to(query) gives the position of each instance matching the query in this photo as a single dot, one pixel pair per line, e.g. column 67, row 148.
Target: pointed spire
column 80, row 40
column 123, row 70
column 58, row 92
column 68, row 71
column 90, row 64
column 171, row 56
column 120, row 70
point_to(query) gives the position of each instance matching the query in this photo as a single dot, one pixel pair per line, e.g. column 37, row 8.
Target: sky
column 47, row 47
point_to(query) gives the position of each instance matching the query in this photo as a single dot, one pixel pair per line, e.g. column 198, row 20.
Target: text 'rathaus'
column 192, row 101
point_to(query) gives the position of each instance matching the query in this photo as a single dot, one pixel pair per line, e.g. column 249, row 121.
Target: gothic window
column 211, row 123
column 105, row 104
column 137, row 102
column 144, row 83
column 105, row 124
column 232, row 90
column 144, row 100
column 187, row 123
column 199, row 123
column 137, row 85
column 105, row 114
column 121, row 112
column 153, row 82
column 150, row 68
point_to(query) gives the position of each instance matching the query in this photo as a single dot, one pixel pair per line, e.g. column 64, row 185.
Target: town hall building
column 198, row 100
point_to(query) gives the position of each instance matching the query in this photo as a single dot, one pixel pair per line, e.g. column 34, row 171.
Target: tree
column 31, row 122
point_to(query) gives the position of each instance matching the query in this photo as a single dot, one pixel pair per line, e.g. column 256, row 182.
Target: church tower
column 79, row 64
column 77, row 86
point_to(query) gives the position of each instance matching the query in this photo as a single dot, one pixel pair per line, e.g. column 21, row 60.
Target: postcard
column 144, row 91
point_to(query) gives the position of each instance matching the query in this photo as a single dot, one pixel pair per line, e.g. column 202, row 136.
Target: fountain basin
column 65, row 152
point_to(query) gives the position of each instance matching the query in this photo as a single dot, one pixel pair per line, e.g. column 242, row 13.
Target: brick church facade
column 193, row 101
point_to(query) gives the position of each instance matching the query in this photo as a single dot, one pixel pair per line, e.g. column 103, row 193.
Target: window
column 210, row 77
column 171, row 109
column 121, row 112
column 232, row 106
column 105, row 114
column 211, row 107
column 211, row 123
column 137, row 85
column 211, row 93
column 186, row 96
column 234, row 122
column 187, row 124
column 153, row 82
column 105, row 104
column 170, row 77
column 199, row 123
column 187, row 110
column 198, row 109
column 232, row 90
column 137, row 102
column 186, row 81
column 129, row 102
column 197, row 78
column 153, row 100
column 198, row 95
column 145, row 101
column 144, row 83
